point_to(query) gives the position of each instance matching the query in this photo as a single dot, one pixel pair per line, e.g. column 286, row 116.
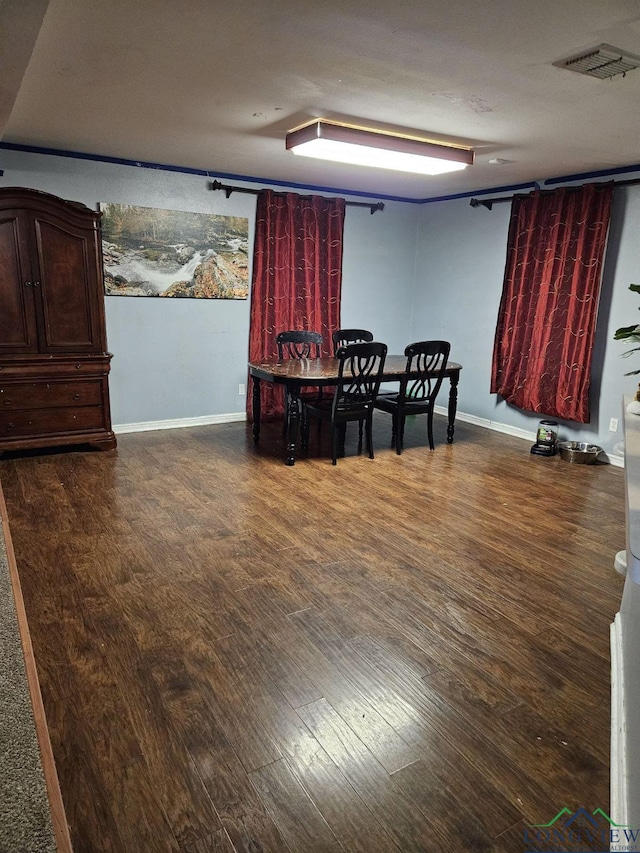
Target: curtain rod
column 228, row 189
column 489, row 202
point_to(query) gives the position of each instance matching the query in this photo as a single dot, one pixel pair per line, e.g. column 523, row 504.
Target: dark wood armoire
column 53, row 361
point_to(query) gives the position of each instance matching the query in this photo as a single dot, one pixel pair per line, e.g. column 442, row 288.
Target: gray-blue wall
column 178, row 359
column 409, row 273
column 459, row 271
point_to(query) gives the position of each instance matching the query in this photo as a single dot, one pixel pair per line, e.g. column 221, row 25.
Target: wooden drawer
column 51, row 421
column 42, row 395
column 54, row 368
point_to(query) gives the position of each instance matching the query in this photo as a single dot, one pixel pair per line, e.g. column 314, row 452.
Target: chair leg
column 394, row 428
column 342, row 436
column 334, row 444
column 306, row 422
column 399, row 434
column 359, row 436
column 285, row 423
column 370, row 435
column 430, row 429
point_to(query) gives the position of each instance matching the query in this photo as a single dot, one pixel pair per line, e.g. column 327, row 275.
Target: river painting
column 152, row 252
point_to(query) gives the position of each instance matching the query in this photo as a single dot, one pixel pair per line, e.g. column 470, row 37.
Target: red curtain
column 297, row 276
column 547, row 317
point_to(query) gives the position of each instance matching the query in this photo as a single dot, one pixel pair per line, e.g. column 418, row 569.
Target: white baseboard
column 178, row 423
column 236, row 417
column 488, row 424
column 507, row 429
column 619, row 776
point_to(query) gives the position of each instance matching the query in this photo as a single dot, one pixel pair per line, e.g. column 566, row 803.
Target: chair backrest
column 298, row 344
column 342, row 337
column 359, row 375
column 428, row 360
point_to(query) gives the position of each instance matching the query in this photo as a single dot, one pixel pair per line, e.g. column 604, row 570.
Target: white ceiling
column 215, row 86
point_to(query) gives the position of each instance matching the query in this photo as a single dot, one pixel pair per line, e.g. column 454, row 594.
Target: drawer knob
column 76, row 396
column 78, row 366
column 11, row 426
column 8, row 402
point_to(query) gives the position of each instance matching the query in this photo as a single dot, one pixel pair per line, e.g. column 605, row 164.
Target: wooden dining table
column 296, row 373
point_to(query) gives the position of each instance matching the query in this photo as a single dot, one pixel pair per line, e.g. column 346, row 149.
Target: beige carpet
column 25, row 822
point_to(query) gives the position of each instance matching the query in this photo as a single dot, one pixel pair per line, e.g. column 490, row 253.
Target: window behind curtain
column 546, row 321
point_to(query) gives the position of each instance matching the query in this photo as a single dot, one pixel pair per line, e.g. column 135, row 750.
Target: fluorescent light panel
column 360, row 147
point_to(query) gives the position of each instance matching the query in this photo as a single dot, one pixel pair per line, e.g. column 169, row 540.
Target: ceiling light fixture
column 359, row 146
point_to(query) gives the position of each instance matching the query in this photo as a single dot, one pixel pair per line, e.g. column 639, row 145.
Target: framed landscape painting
column 152, row 252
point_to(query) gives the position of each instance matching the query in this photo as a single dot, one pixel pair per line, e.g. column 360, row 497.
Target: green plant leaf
column 627, row 332
column 630, row 333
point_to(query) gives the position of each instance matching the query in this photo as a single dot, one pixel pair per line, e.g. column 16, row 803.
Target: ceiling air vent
column 602, row 61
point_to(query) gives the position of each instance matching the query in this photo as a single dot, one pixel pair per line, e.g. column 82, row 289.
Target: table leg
column 294, row 424
column 453, row 405
column 256, row 409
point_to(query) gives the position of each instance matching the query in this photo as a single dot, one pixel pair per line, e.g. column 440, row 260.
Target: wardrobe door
column 68, row 290
column 17, row 320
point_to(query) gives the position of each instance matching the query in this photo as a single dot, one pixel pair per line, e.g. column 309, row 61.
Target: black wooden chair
column 354, row 397
column 343, row 337
column 426, row 363
column 298, row 344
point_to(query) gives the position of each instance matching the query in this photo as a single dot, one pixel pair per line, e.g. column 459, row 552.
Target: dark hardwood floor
column 404, row 654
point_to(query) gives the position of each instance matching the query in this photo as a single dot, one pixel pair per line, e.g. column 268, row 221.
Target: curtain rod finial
column 478, row 202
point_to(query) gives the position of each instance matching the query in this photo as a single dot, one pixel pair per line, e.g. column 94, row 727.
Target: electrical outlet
column 613, row 425
column 242, row 391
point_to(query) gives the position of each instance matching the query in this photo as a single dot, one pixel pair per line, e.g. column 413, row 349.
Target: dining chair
column 359, row 374
column 424, row 372
column 342, row 337
column 296, row 343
